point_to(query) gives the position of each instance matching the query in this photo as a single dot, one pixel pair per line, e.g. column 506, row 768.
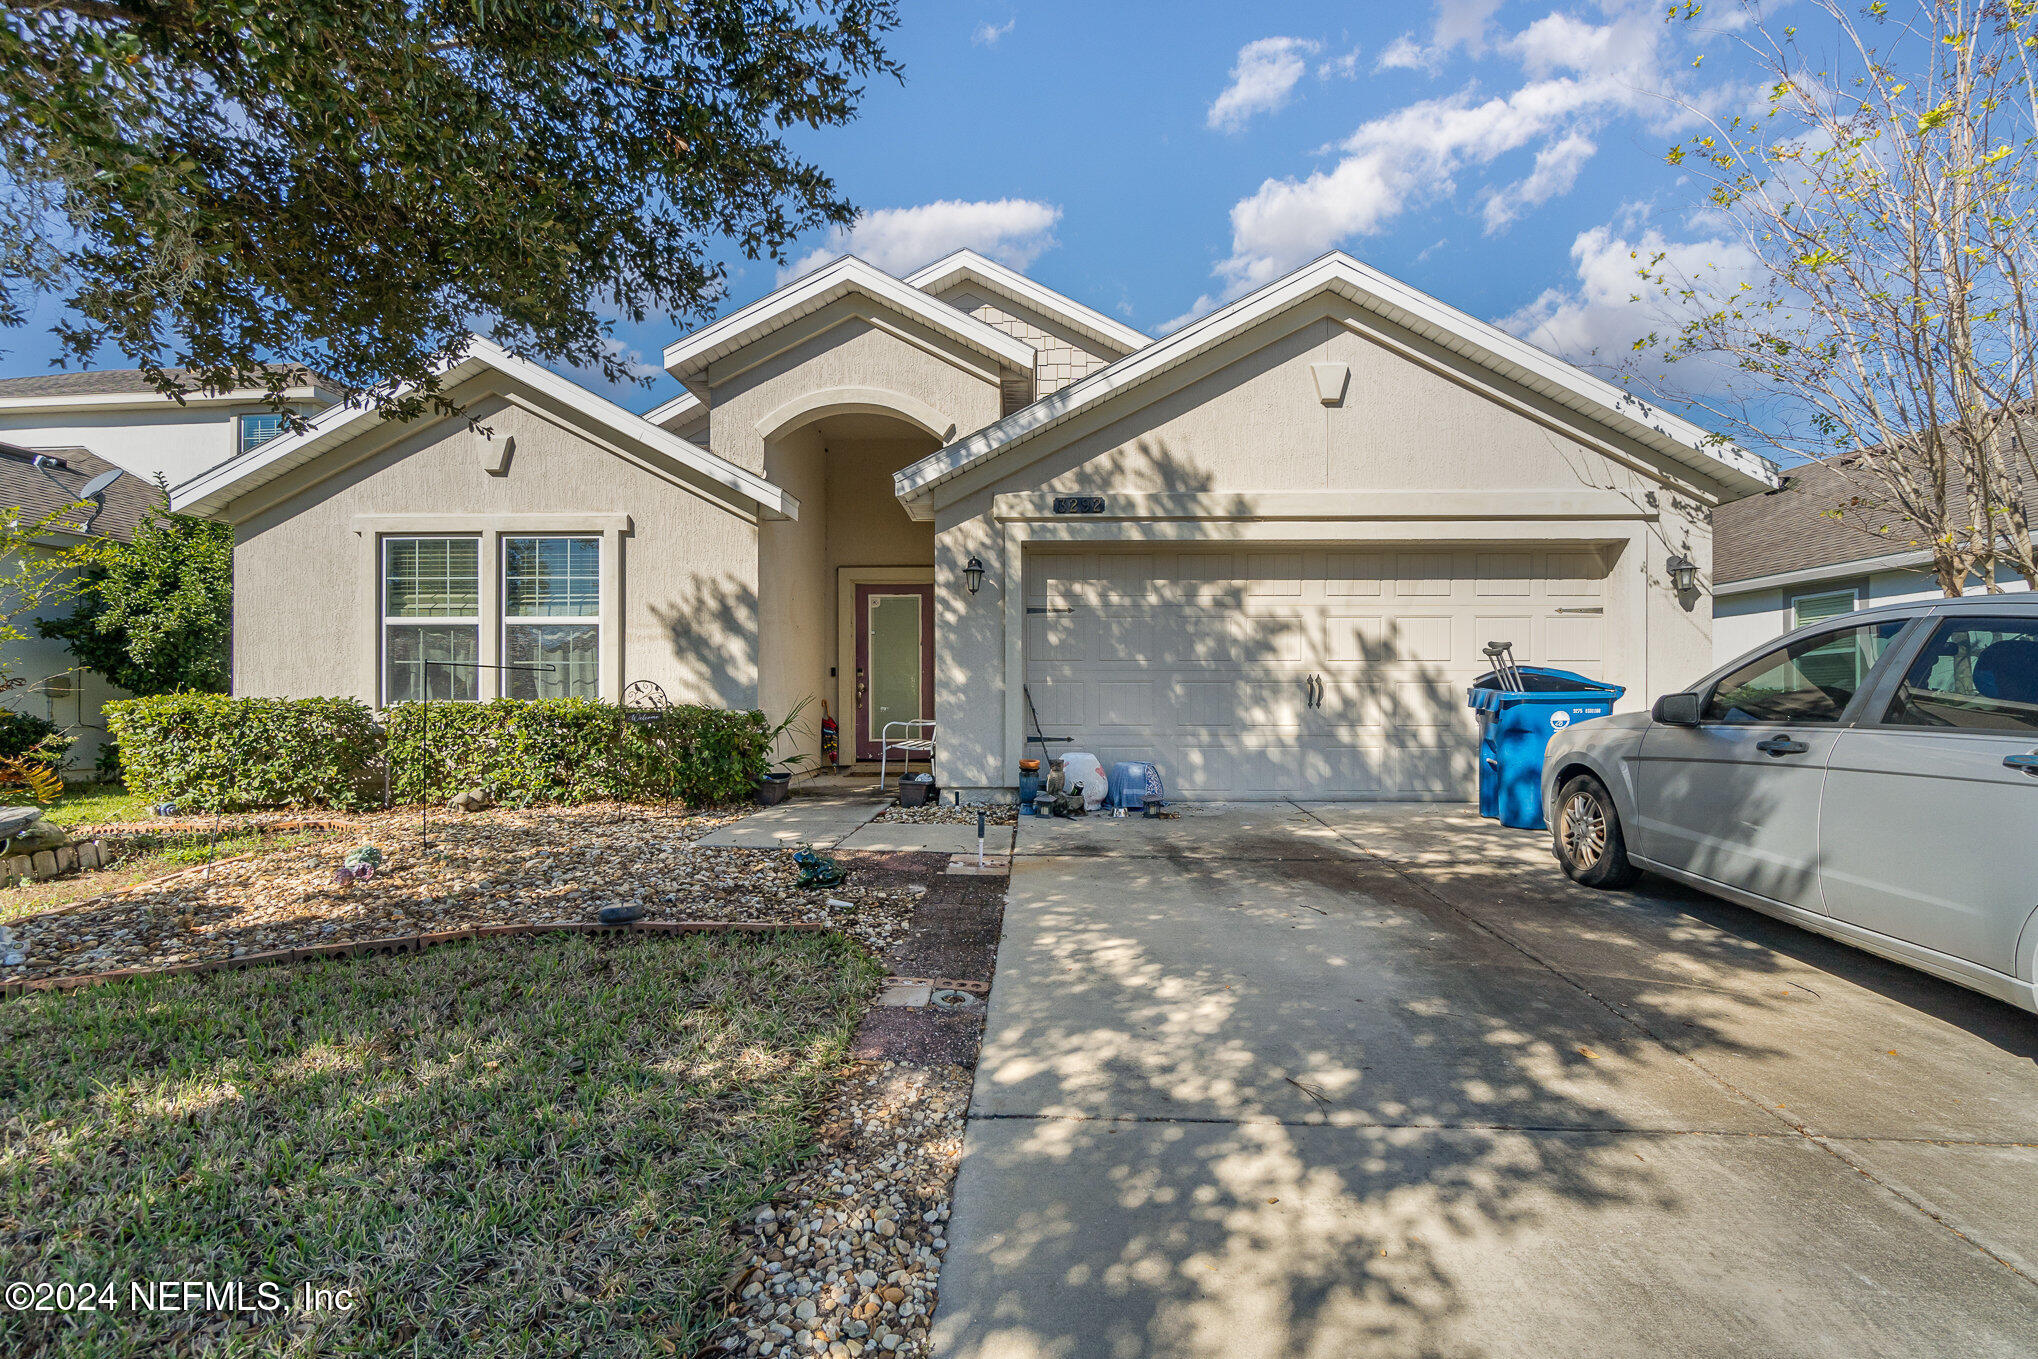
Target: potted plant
column 775, row 784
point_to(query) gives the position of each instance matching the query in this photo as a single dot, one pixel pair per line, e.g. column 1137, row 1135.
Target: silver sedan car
column 1872, row 777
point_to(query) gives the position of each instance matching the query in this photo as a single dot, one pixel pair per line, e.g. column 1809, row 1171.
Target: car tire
column 1586, row 835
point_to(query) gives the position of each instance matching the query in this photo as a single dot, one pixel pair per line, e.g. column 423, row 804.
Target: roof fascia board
column 968, row 265
column 211, row 489
column 1833, row 571
column 1367, row 288
column 841, row 312
column 685, row 406
column 142, row 401
column 687, row 357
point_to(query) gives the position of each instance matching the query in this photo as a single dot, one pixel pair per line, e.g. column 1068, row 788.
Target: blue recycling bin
column 1515, row 730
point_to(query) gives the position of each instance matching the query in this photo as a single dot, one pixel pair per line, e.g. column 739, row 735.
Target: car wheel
column 1588, row 837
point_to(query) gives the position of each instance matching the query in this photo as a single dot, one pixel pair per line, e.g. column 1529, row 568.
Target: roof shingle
column 23, row 487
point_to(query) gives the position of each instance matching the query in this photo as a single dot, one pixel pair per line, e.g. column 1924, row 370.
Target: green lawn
column 515, row 1146
column 86, row 804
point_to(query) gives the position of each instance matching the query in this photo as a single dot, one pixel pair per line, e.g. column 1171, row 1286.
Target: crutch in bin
column 1500, row 655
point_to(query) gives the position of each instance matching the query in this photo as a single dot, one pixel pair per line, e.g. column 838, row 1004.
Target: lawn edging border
column 403, row 943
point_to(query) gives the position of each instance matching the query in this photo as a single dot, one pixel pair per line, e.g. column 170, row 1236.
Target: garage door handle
column 1781, row 745
column 2027, row 763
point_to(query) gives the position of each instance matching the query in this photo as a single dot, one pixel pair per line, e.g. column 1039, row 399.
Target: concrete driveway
column 1331, row 1080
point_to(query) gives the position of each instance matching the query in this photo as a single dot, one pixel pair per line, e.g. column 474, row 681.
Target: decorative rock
column 472, row 800
column 34, row 835
column 14, row 819
column 620, row 915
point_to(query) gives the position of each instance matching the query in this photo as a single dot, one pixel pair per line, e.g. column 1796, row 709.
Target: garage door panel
column 1240, row 705
column 1518, row 629
column 1299, row 672
column 1415, row 637
column 1423, row 573
column 1348, row 574
column 1503, row 573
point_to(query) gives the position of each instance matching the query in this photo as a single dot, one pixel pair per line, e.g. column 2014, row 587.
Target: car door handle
column 1781, row 745
column 2027, row 763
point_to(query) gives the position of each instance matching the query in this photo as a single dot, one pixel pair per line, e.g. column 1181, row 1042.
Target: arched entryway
column 845, row 593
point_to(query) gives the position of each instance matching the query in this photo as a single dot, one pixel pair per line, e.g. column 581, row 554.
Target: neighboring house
column 121, row 418
column 1264, row 552
column 1784, row 559
column 55, row 687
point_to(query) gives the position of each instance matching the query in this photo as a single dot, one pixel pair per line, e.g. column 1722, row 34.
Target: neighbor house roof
column 215, row 487
column 1792, row 536
column 127, row 387
column 688, row 357
column 967, row 266
column 26, row 490
column 1739, row 471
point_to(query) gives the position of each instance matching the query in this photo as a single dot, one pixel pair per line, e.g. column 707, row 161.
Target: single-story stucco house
column 1264, row 552
column 1802, row 553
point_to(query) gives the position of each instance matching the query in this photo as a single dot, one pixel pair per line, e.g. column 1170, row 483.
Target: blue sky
column 1155, row 161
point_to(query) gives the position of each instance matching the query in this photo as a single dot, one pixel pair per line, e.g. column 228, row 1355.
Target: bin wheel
column 1587, row 837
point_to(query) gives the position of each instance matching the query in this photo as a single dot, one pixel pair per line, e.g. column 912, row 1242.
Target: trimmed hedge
column 573, row 750
column 212, row 752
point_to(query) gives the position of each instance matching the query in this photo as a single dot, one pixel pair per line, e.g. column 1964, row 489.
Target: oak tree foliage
column 351, row 186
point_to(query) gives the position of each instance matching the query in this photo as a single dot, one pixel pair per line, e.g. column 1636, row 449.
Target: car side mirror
column 1676, row 710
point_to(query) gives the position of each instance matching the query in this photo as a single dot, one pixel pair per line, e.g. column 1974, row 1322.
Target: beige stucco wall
column 305, row 600
column 1246, row 421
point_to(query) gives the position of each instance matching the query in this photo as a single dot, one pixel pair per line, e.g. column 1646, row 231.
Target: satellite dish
column 99, row 484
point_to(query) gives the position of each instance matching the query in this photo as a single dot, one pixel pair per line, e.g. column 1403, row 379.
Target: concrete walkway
column 821, row 821
column 1281, row 1080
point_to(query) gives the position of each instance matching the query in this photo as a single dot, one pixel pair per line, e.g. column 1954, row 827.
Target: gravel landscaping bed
column 486, row 868
column 948, row 814
column 847, row 1260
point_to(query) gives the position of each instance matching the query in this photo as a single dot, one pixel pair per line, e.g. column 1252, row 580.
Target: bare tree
column 1880, row 198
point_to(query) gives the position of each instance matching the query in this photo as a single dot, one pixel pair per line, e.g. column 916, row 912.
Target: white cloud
column 1405, row 54
column 1265, row 75
column 1556, row 170
column 988, row 33
column 1013, row 231
column 1582, row 75
column 1345, row 67
column 1611, row 306
column 1458, row 24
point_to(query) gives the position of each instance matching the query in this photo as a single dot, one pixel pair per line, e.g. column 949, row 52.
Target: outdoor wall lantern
column 1683, row 574
column 973, row 574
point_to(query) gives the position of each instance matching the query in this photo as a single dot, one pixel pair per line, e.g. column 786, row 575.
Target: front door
column 1735, row 799
column 894, row 663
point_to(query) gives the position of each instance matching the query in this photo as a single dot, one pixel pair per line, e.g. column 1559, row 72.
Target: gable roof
column 128, row 386
column 212, row 489
column 688, row 357
column 1790, row 535
column 23, row 487
column 1513, row 358
column 967, row 266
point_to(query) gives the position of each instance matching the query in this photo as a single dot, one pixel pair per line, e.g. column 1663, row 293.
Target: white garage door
column 1327, row 673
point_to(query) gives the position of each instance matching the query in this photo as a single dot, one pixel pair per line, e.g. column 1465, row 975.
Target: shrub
column 25, row 734
column 572, row 750
column 210, row 752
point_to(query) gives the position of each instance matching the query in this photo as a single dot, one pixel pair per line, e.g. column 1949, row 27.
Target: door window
column 1811, row 680
column 1980, row 674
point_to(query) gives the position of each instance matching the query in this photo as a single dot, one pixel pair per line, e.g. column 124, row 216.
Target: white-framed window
column 431, row 618
column 551, row 615
column 1805, row 609
column 256, row 428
